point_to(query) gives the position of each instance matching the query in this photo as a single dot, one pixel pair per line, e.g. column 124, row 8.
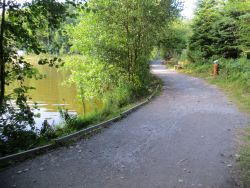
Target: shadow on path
column 182, row 139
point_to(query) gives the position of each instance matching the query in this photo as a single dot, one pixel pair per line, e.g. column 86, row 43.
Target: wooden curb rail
column 10, row 159
column 78, row 134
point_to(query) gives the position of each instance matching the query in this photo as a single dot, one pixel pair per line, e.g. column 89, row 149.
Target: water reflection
column 51, row 94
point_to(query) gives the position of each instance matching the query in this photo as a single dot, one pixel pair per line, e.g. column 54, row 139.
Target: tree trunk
column 2, row 59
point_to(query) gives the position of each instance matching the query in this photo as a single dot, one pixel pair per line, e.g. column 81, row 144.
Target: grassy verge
column 234, row 80
column 244, row 157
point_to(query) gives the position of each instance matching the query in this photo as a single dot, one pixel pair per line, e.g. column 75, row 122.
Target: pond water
column 51, row 94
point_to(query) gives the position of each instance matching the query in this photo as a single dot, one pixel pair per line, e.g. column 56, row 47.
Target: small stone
column 14, row 185
column 189, row 171
column 123, row 166
column 237, row 156
column 26, row 169
column 229, row 165
column 41, row 169
column 19, row 172
column 122, row 177
column 79, row 151
column 71, row 147
column 180, row 180
column 222, row 155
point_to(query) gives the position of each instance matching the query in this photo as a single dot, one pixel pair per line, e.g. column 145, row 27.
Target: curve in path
column 182, row 139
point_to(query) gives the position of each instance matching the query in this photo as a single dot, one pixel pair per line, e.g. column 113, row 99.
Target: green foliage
column 174, row 38
column 20, row 25
column 203, row 37
column 26, row 139
column 94, row 79
column 47, row 131
column 114, row 38
column 220, row 29
column 54, row 38
column 122, row 33
column 240, row 11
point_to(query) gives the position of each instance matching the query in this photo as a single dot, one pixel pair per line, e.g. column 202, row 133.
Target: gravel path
column 182, row 139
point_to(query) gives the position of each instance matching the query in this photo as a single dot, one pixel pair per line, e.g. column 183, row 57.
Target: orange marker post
column 216, row 67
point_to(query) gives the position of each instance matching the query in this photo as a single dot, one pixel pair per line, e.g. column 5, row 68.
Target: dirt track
column 182, row 139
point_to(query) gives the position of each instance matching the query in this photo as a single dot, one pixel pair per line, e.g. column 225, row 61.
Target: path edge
column 18, row 157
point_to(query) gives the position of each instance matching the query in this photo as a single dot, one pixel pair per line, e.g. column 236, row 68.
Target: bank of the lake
column 58, row 104
column 52, row 93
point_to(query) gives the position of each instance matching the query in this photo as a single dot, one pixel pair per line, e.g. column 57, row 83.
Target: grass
column 109, row 110
column 234, row 80
column 244, row 159
column 76, row 123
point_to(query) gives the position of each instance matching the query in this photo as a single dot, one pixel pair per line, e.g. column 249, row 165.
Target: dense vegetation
column 220, row 28
column 106, row 45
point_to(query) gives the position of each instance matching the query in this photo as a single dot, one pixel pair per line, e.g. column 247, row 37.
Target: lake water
column 51, row 94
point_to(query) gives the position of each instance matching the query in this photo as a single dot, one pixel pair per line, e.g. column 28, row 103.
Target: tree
column 123, row 33
column 203, row 37
column 220, row 28
column 54, row 39
column 174, row 38
column 239, row 14
column 20, row 25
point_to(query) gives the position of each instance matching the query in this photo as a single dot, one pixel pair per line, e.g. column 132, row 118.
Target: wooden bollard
column 216, row 67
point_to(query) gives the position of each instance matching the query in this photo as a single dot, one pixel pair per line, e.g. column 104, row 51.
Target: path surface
column 182, row 139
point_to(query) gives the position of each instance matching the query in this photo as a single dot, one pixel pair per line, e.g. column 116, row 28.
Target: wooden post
column 2, row 59
column 216, row 69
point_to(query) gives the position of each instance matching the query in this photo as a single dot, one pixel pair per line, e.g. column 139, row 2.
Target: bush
column 17, row 141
